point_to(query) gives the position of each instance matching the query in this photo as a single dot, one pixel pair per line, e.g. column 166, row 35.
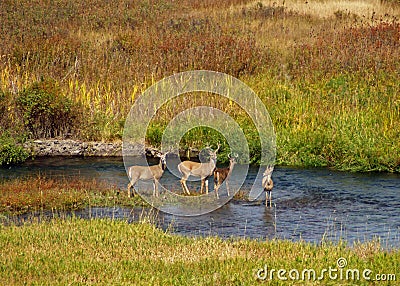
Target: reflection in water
column 310, row 204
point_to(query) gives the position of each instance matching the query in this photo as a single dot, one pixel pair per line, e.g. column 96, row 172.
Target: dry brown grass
column 38, row 193
column 367, row 10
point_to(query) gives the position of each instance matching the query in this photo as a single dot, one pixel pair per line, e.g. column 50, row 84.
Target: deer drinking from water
column 268, row 185
column 223, row 174
column 145, row 173
column 202, row 170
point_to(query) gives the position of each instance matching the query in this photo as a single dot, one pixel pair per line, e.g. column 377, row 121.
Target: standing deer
column 223, row 174
column 145, row 173
column 202, row 170
column 268, row 185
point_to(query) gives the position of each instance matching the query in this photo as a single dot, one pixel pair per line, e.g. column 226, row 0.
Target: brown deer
column 223, row 174
column 202, row 170
column 145, row 173
column 268, row 185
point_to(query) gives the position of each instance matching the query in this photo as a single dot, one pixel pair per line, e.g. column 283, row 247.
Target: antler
column 234, row 155
column 218, row 146
column 268, row 170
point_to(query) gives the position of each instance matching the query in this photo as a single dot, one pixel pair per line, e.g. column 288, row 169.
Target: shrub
column 10, row 151
column 46, row 112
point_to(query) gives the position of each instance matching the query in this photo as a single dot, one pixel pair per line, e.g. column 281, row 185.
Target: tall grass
column 347, row 122
column 326, row 75
column 76, row 251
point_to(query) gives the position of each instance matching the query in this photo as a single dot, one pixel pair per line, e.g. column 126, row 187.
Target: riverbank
column 69, row 147
column 109, row 252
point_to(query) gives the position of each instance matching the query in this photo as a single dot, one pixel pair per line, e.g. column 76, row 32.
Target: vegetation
column 10, row 151
column 39, row 193
column 77, row 251
column 45, row 111
column 327, row 71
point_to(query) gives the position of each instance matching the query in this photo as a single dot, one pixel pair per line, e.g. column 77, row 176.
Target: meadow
column 105, row 251
column 327, row 71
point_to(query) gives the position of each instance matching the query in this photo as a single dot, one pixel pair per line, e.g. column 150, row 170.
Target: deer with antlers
column 223, row 174
column 145, row 173
column 268, row 185
column 202, row 170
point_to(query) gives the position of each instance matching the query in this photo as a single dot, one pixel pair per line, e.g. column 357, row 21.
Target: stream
column 313, row 204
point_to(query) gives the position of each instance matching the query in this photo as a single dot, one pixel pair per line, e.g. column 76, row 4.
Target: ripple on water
column 311, row 204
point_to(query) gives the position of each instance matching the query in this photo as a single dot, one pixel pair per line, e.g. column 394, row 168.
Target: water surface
column 310, row 204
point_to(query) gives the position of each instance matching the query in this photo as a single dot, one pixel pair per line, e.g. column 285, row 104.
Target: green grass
column 104, row 252
column 344, row 122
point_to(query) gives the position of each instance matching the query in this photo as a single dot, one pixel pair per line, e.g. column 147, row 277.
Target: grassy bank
column 39, row 193
column 326, row 70
column 105, row 252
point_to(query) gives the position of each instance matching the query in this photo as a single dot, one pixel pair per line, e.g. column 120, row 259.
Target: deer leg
column 131, row 185
column 184, row 186
column 183, row 180
column 202, row 186
column 216, row 186
column 216, row 192
column 155, row 188
column 129, row 189
column 206, row 182
column 227, row 187
column 270, row 198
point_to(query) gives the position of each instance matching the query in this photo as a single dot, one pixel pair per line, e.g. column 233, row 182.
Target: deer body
column 145, row 173
column 223, row 174
column 268, row 185
column 202, row 170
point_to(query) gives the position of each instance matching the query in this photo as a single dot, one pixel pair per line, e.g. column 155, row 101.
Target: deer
column 268, row 185
column 145, row 173
column 223, row 174
column 202, row 170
